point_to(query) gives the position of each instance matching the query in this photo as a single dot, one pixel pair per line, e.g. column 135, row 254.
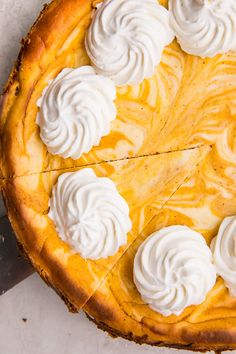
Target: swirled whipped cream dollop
column 204, row 27
column 76, row 110
column 126, row 39
column 173, row 269
column 224, row 252
column 89, row 214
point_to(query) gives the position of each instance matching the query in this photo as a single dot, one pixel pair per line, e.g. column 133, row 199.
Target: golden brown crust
column 58, row 278
column 44, row 277
column 39, row 50
column 143, row 340
column 14, row 75
column 51, row 21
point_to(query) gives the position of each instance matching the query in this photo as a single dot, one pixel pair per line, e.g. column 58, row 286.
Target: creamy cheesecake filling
column 89, row 214
column 76, row 110
column 173, row 269
column 126, row 39
column 204, row 27
column 224, row 252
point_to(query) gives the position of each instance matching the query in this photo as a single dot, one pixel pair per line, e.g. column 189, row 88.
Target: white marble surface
column 49, row 328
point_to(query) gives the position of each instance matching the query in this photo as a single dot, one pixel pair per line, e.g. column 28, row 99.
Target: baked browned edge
column 142, row 340
column 32, row 48
column 25, row 49
column 77, row 295
column 13, row 77
column 28, row 258
column 46, row 279
column 24, row 43
column 16, row 68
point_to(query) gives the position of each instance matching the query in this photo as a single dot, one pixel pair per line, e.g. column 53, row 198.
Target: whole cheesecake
column 170, row 154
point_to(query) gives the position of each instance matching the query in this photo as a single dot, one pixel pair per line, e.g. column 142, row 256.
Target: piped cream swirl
column 76, row 109
column 89, row 214
column 126, row 39
column 204, row 27
column 224, row 252
column 173, row 269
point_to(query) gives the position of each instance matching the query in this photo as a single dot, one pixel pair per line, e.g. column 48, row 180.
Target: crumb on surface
column 24, row 319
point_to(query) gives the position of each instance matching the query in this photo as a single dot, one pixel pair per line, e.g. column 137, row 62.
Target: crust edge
column 143, row 340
